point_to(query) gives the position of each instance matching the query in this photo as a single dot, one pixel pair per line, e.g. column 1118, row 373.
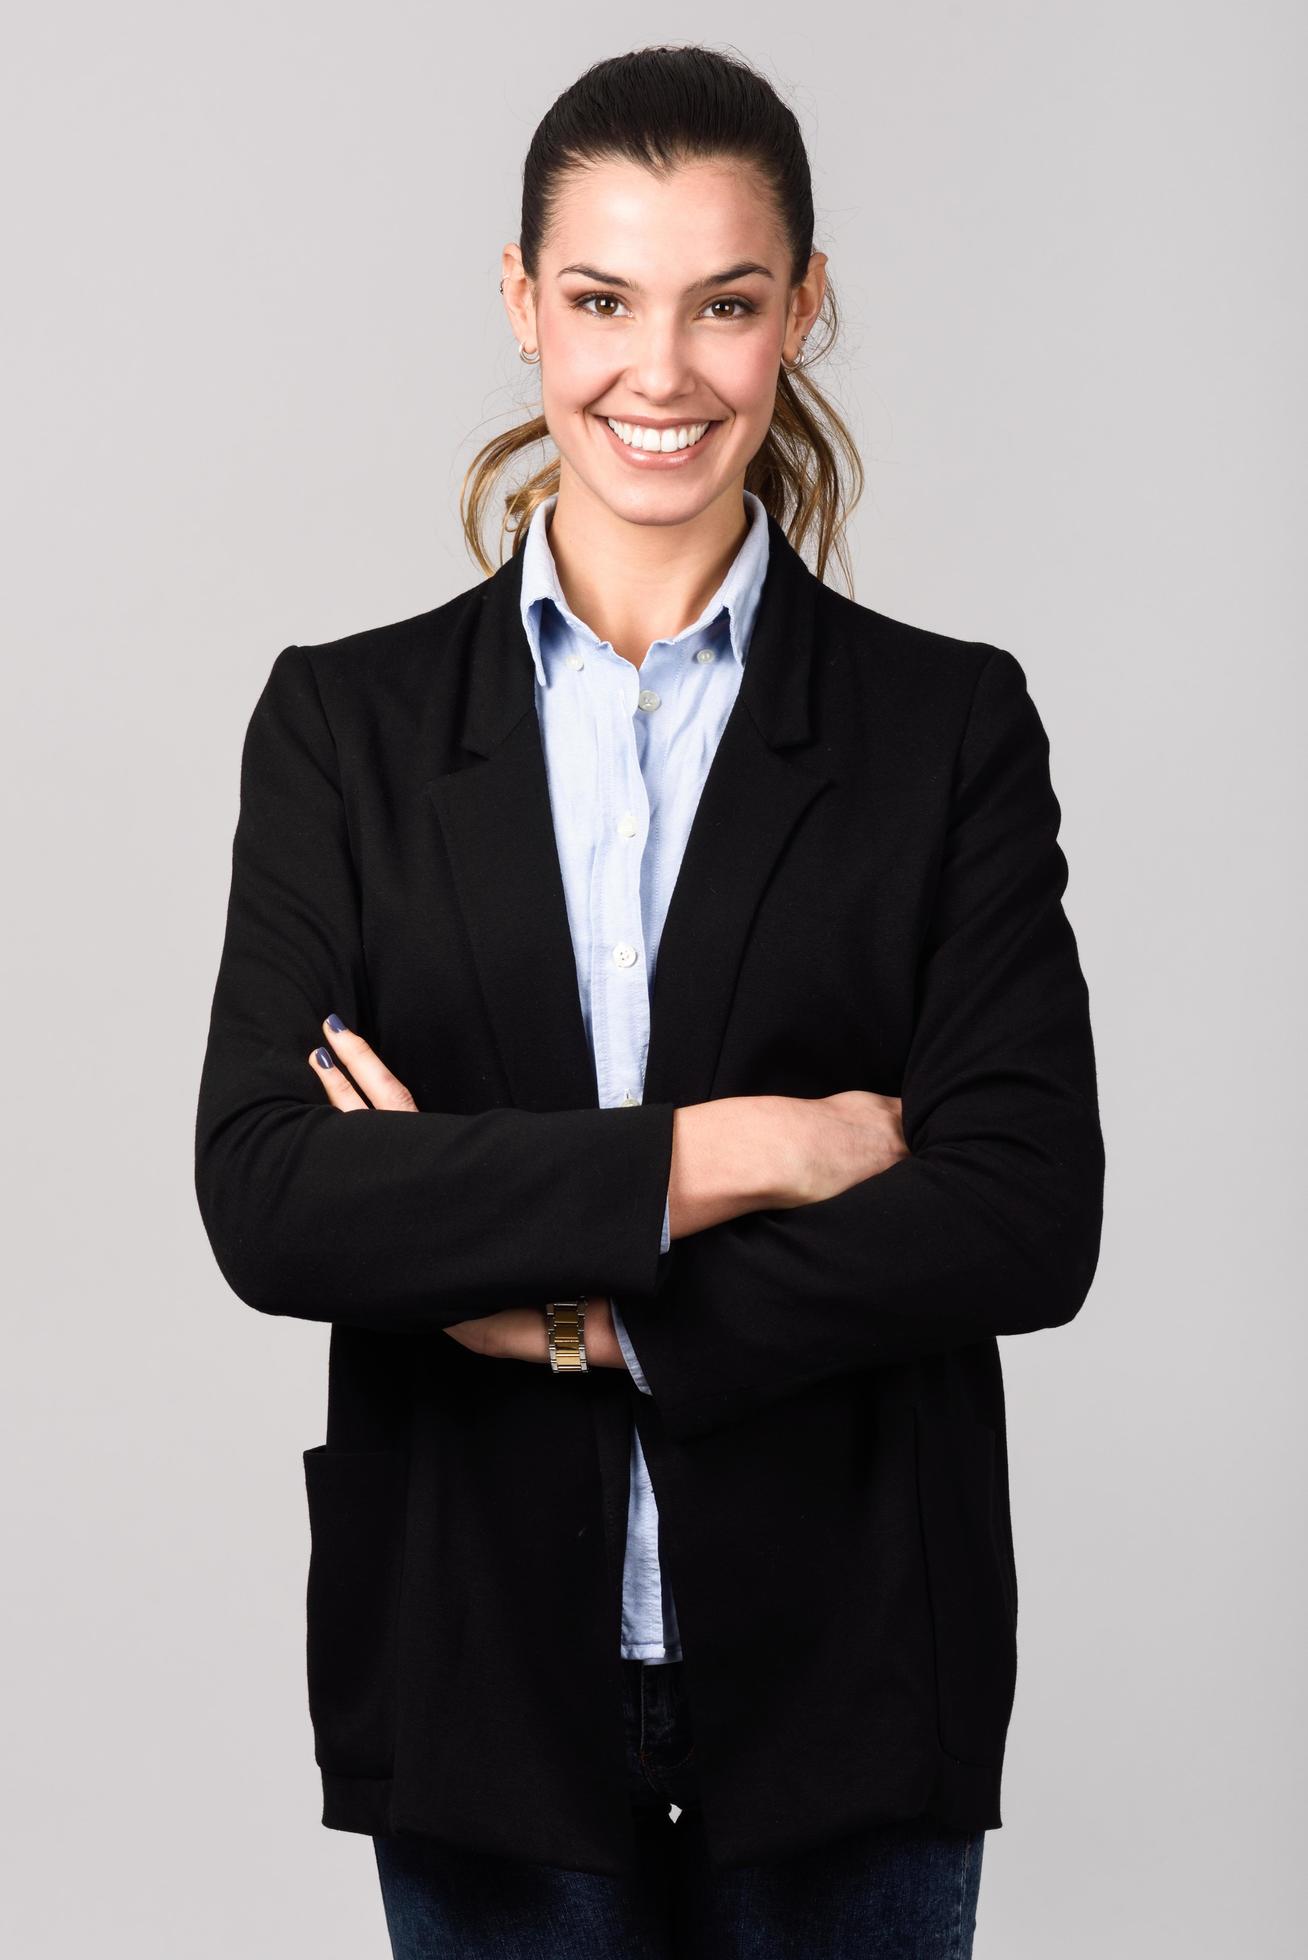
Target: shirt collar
column 739, row 591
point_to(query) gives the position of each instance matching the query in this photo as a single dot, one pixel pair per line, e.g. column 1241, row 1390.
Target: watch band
column 566, row 1321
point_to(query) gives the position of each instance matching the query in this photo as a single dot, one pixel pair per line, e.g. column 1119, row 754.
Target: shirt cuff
column 628, row 1351
column 665, row 1241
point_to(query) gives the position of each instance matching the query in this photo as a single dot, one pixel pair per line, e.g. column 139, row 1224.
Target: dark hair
column 662, row 107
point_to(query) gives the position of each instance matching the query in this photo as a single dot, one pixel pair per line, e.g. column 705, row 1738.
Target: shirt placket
column 619, row 978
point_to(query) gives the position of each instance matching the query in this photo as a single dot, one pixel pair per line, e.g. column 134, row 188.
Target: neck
column 633, row 584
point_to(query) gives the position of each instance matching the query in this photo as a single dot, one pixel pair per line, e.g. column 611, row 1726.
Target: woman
column 709, row 927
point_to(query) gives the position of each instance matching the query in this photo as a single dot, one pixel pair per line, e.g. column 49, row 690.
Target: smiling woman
column 682, row 945
column 666, row 281
column 665, row 397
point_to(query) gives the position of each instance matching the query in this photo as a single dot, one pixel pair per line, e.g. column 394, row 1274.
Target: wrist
column 603, row 1348
column 782, row 1160
column 729, row 1156
column 599, row 1337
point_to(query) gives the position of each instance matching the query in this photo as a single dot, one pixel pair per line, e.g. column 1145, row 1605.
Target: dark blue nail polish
column 336, row 1024
column 323, row 1058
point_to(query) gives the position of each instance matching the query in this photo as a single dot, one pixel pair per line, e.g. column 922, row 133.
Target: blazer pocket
column 356, row 1526
column 973, row 1608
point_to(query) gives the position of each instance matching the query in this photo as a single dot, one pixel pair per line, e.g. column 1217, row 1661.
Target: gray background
column 253, row 338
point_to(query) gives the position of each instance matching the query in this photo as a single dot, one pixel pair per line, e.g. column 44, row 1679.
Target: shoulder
column 387, row 671
column 375, row 652
column 917, row 668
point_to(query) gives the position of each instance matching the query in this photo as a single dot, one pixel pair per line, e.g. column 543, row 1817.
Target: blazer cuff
column 628, row 1351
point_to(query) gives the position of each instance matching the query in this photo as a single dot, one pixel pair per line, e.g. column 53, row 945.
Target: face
column 661, row 305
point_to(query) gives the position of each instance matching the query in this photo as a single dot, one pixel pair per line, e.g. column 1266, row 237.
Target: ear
column 805, row 305
column 810, row 293
column 519, row 301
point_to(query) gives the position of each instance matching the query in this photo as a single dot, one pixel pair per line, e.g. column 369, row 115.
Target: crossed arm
column 987, row 1224
column 728, row 1157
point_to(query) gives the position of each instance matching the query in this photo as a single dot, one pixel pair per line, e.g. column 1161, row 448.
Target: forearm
column 909, row 1263
column 728, row 1158
column 398, row 1221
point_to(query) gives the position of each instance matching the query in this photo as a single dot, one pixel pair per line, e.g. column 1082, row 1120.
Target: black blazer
column 870, row 898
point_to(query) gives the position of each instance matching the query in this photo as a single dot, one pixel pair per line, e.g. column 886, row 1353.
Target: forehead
column 623, row 216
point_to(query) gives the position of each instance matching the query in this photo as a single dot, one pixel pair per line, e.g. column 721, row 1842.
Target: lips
column 658, row 458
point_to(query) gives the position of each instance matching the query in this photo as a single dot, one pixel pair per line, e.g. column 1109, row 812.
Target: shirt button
column 574, row 660
column 629, row 1101
column 648, row 700
column 624, row 955
column 626, row 824
column 705, row 653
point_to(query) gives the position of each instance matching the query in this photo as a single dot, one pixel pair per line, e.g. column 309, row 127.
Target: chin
column 659, row 503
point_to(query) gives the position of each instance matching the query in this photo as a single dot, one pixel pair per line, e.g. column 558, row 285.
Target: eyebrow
column 732, row 272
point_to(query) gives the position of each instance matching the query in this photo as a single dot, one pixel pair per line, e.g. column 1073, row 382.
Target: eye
column 584, row 304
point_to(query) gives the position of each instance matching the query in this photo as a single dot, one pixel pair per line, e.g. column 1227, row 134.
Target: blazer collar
column 495, row 816
column 775, row 682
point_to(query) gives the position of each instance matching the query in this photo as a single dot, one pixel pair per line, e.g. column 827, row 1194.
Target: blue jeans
column 898, row 1891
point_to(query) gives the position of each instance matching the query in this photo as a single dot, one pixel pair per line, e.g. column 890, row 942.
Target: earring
column 532, row 359
column 799, row 358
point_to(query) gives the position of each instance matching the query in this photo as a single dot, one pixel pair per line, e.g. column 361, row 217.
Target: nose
column 659, row 367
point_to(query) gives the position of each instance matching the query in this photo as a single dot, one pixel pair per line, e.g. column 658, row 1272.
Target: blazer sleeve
column 382, row 1218
column 619, row 1328
column 992, row 1224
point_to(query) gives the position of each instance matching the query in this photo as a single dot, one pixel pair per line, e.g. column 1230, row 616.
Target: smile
column 659, row 448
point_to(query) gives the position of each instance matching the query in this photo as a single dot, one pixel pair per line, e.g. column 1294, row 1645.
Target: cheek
column 579, row 370
column 745, row 377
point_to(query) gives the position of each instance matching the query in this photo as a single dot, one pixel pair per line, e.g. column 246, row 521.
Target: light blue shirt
column 626, row 754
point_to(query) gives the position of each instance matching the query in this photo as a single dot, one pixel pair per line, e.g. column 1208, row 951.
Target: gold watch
column 566, row 1321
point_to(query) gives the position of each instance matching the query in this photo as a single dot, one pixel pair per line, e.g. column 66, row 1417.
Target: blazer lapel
column 754, row 796
column 499, row 834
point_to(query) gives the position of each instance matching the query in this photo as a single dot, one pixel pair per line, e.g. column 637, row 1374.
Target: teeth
column 636, row 437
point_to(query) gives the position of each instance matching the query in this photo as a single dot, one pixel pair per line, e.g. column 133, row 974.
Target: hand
column 514, row 1333
column 833, row 1142
column 385, row 1090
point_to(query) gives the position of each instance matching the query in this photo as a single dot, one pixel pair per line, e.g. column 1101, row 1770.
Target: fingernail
column 323, row 1058
column 336, row 1024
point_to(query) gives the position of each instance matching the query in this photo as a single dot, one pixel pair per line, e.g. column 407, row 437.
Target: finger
column 341, row 1092
column 383, row 1090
